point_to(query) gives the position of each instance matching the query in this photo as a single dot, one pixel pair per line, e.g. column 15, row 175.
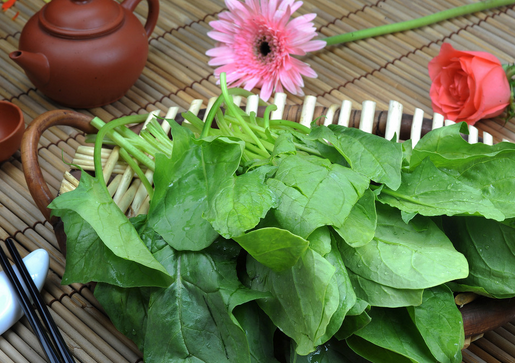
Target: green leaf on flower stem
column 91, row 201
column 304, row 297
column 384, row 296
column 391, row 337
column 192, row 175
column 239, row 202
column 405, row 257
column 431, row 192
column 373, row 156
column 275, row 248
column 488, row 247
column 360, row 226
column 302, row 185
column 440, row 323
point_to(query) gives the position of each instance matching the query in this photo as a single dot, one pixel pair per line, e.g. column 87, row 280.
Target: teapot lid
column 79, row 19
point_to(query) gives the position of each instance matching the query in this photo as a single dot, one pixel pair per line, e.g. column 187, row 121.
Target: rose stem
column 416, row 23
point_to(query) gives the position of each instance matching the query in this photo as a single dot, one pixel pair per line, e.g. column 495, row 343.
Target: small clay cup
column 12, row 127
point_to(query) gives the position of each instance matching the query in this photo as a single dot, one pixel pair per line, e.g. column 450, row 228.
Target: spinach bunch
column 267, row 241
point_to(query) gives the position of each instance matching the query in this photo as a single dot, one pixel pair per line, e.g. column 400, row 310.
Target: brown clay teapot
column 85, row 53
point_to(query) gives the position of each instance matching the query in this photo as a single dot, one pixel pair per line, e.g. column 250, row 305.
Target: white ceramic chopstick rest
column 37, row 263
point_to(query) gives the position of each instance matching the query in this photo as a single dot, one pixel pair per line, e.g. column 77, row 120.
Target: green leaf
column 88, row 258
column 446, row 148
column 360, row 226
column 239, row 203
column 374, row 353
column 489, row 248
column 304, row 297
column 352, row 324
column 320, row 240
column 431, row 192
column 301, row 184
column 373, row 156
column 275, row 248
column 195, row 174
column 127, row 309
column 94, row 204
column 384, row 296
column 394, row 331
column 440, row 323
column 195, row 311
column 330, row 352
column 346, row 291
column 284, row 145
column 260, row 332
column 404, row 257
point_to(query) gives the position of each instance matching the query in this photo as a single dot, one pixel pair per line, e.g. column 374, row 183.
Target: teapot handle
column 153, row 13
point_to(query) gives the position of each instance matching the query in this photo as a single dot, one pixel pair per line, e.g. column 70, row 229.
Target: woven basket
column 479, row 314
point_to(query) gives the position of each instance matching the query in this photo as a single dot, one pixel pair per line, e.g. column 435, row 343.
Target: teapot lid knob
column 79, row 19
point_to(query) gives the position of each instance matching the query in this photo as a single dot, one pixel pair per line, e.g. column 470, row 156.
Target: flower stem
column 417, row 23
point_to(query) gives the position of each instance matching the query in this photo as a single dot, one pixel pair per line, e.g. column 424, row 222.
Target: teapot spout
column 35, row 65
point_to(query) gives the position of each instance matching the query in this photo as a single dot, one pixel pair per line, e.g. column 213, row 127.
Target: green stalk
column 232, row 109
column 120, row 140
column 417, row 23
column 134, row 166
column 295, row 125
column 266, row 115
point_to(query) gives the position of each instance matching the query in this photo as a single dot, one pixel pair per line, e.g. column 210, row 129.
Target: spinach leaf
column 446, row 148
column 275, row 248
column 196, row 309
column 304, row 297
column 127, row 308
column 440, row 323
column 88, row 258
column 494, row 177
column 195, row 174
column 301, row 184
column 93, row 203
column 351, row 324
column 239, row 203
column 330, row 352
column 373, row 156
column 320, row 240
column 384, row 296
column 431, row 192
column 394, row 331
column 404, row 257
column 346, row 292
column 259, row 330
column 489, row 248
column 360, row 226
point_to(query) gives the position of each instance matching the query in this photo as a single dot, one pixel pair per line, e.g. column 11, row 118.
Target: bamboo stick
column 11, row 352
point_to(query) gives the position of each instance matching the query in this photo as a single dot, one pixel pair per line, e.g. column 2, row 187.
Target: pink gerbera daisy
column 256, row 44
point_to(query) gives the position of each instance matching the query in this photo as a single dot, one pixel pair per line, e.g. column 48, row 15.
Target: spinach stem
column 120, row 140
column 134, row 166
column 232, row 109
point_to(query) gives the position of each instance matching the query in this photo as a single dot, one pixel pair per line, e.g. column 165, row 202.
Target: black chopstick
column 62, row 354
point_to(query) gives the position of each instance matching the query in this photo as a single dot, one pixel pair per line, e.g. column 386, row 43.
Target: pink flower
column 256, row 41
column 468, row 86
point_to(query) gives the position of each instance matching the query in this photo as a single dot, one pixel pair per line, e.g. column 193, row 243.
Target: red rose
column 467, row 86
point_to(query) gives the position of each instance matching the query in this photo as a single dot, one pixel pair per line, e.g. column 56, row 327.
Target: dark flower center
column 264, row 48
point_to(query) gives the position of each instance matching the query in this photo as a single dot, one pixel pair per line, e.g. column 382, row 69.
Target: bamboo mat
column 392, row 67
